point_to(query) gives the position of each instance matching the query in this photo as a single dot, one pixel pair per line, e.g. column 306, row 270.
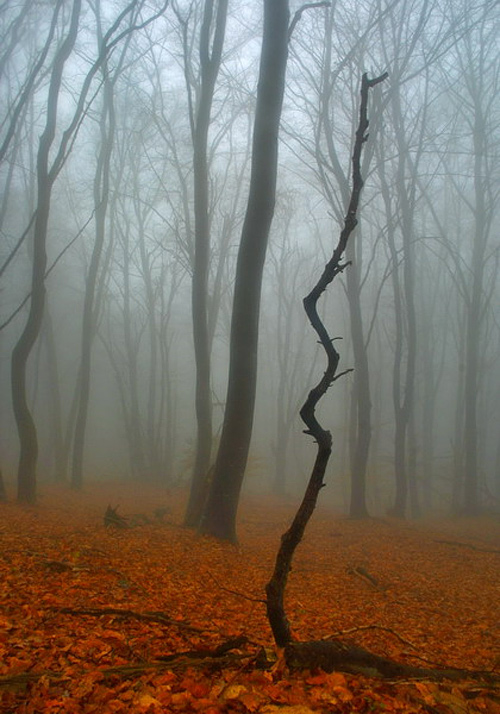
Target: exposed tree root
column 218, row 658
column 335, row 655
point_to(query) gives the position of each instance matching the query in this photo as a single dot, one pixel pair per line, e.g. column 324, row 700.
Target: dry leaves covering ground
column 409, row 591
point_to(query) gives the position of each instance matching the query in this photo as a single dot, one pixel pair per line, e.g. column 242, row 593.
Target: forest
column 249, row 270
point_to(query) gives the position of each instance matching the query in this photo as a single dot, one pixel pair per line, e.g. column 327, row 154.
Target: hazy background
column 426, row 249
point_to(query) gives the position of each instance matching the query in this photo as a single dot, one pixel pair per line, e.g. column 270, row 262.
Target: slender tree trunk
column 101, row 196
column 219, row 518
column 275, row 588
column 28, row 456
column 474, row 315
column 361, row 400
column 210, row 65
column 56, row 429
column 135, row 433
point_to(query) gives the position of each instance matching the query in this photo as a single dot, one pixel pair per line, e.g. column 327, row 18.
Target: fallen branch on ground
column 469, row 545
column 220, row 657
column 363, row 573
column 148, row 616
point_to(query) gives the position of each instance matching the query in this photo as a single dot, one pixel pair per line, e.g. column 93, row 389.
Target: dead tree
column 332, row 654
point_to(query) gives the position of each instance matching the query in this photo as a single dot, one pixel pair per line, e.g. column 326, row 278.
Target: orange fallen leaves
column 435, row 601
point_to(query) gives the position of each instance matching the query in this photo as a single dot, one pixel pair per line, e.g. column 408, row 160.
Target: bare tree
column 275, row 588
column 46, row 175
column 475, row 98
column 211, row 44
column 107, row 125
column 49, row 164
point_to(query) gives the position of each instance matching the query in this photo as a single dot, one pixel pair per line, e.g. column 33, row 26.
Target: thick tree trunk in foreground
column 219, row 519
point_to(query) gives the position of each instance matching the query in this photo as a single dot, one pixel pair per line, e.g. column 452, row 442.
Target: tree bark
column 219, row 519
column 28, row 456
column 275, row 589
column 210, row 65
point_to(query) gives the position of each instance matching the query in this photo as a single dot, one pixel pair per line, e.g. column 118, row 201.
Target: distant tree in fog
column 474, row 93
column 52, row 154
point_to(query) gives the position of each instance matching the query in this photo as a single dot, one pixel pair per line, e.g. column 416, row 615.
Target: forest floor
column 426, row 593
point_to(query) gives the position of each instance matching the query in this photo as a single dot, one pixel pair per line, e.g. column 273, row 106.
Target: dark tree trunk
column 219, row 518
column 28, row 455
column 210, row 65
column 360, row 399
column 275, row 589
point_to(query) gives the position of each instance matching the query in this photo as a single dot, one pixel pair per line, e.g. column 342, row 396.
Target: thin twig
column 236, row 592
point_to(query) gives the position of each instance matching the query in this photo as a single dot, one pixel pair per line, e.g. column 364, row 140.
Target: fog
column 414, row 315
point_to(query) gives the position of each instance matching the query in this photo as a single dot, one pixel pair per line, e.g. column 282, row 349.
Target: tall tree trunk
column 359, row 446
column 275, row 588
column 210, row 65
column 135, row 431
column 101, row 195
column 56, row 428
column 474, row 319
column 219, row 518
column 26, row 475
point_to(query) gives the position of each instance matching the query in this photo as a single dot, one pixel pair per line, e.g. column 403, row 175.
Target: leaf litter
column 96, row 619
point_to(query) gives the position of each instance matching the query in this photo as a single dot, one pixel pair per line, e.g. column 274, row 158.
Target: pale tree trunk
column 135, row 430
column 107, row 126
column 478, row 120
column 101, row 196
column 359, row 442
column 56, row 429
column 474, row 323
column 219, row 518
column 284, row 349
